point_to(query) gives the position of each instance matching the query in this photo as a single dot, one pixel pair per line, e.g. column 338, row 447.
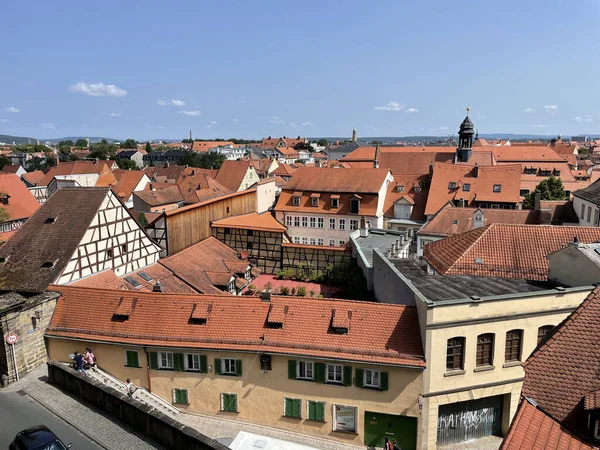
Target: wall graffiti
column 469, row 420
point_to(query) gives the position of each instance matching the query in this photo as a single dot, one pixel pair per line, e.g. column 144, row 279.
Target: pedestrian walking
column 387, row 444
column 130, row 388
column 79, row 363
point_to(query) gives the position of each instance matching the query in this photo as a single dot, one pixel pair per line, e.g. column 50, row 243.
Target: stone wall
column 19, row 318
column 161, row 428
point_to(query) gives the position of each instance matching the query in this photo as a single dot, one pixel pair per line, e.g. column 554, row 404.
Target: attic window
column 497, row 188
column 467, row 187
column 478, row 260
column 556, row 173
column 452, row 185
column 455, row 221
column 145, row 276
column 400, row 188
column 50, row 220
column 48, row 264
column 3, row 259
column 124, row 309
column 335, row 201
column 276, row 316
column 340, row 321
column 5, row 199
column 200, row 314
column 296, row 201
column 417, row 189
column 354, row 206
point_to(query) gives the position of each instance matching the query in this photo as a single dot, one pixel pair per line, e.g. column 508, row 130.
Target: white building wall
column 265, row 195
column 587, row 212
column 250, row 178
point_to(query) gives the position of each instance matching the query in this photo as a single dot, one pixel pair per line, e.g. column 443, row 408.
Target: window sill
column 512, row 364
column 452, row 373
column 291, row 417
column 181, row 404
column 346, row 432
column 229, row 374
column 483, row 368
column 133, row 367
column 334, row 383
column 232, row 412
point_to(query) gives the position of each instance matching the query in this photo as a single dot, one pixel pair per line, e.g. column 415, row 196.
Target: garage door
column 401, row 429
column 465, row 421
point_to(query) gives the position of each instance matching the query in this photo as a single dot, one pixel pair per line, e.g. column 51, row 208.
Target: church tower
column 465, row 139
column 354, row 135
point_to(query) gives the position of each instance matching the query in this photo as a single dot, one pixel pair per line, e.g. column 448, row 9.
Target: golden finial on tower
column 468, row 109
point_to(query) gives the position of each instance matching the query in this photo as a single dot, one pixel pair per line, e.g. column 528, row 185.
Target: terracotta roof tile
column 533, row 429
column 11, row 168
column 106, row 178
column 564, row 368
column 197, row 185
column 591, row 400
column 128, row 181
column 356, row 181
column 204, row 146
column 21, row 202
column 377, row 333
column 161, row 196
column 251, row 221
column 514, row 153
column 34, row 178
column 504, row 250
column 232, row 173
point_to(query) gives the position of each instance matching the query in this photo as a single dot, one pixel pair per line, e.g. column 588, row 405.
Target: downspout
column 149, row 372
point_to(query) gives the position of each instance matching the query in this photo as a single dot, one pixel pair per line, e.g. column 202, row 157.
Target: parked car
column 37, row 438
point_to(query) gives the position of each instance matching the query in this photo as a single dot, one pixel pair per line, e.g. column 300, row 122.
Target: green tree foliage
column 242, row 141
column 376, row 142
column 142, row 220
column 203, row 160
column 187, row 141
column 129, row 143
column 37, row 163
column 550, row 189
column 30, row 148
column 65, row 146
column 322, row 142
column 148, row 147
column 126, row 164
column 103, row 150
column 4, row 161
column 81, row 143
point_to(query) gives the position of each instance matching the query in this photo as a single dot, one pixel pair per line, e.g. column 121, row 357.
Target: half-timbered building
column 77, row 232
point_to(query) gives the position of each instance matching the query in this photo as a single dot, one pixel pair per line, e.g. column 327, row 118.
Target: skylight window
column 145, row 276
column 467, row 187
column 135, row 283
column 497, row 188
column 452, row 185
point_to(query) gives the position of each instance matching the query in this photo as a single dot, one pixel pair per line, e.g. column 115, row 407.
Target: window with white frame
column 371, row 378
column 296, row 221
column 296, row 201
column 314, row 201
column 304, row 370
column 165, row 360
column 342, row 243
column 304, row 221
column 344, row 418
column 192, row 361
column 353, row 224
column 304, row 240
column 288, row 221
column 296, row 239
column 313, row 241
column 334, row 373
column 231, row 286
column 332, row 242
column 335, row 202
column 320, row 222
column 332, row 224
column 320, row 241
column 342, row 224
column 313, row 222
column 228, row 366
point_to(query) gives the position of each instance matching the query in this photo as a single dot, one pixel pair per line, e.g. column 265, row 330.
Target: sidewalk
column 88, row 421
column 225, row 430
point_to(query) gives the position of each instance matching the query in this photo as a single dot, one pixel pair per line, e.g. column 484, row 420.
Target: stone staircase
column 141, row 394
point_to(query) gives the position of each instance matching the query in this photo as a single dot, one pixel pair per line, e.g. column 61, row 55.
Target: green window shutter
column 320, row 370
column 203, row 364
column 238, row 367
column 153, row 360
column 184, row 396
column 292, row 369
column 319, row 411
column 296, row 408
column 218, row 368
column 288, row 407
column 177, row 395
column 128, row 358
column 178, row 363
column 347, row 376
column 312, row 411
column 359, row 378
column 383, row 381
column 232, row 402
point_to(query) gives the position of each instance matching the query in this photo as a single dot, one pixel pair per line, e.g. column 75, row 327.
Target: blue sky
column 312, row 68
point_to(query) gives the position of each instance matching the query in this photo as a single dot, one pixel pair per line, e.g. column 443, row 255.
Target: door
column 401, row 429
column 473, row 419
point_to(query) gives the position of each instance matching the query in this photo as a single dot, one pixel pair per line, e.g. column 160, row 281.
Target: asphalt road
column 19, row 412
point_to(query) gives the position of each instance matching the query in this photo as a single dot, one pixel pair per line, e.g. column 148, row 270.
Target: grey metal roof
column 590, row 193
column 451, row 287
column 378, row 239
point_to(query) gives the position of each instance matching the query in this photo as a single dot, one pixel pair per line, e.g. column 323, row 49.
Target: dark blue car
column 37, row 438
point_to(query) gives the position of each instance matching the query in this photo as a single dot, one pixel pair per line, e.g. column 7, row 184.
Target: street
column 18, row 412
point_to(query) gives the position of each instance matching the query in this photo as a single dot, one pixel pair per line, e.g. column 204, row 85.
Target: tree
column 202, row 160
column 322, row 142
column 148, row 147
column 187, row 141
column 142, row 220
column 376, row 142
column 82, row 143
column 129, row 143
column 4, row 161
column 65, row 146
column 103, row 150
column 126, row 164
column 550, row 189
column 37, row 163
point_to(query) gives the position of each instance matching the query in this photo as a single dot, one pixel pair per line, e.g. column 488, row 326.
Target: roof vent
column 50, row 220
column 475, row 298
column 478, row 260
column 124, row 309
column 276, row 316
column 49, row 264
column 265, row 296
column 560, row 289
column 157, row 287
column 200, row 314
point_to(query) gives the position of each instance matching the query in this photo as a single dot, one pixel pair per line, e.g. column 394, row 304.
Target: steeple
column 376, row 159
column 354, row 135
column 465, row 139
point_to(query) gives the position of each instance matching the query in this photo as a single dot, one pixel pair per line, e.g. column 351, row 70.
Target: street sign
column 11, row 338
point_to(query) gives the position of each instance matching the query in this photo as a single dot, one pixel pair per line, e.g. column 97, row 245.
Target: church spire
column 465, row 139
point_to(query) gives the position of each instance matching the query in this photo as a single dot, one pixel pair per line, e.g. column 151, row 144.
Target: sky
column 251, row 69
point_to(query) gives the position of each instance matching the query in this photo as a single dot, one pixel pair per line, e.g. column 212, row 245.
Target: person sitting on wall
column 89, row 358
column 78, row 359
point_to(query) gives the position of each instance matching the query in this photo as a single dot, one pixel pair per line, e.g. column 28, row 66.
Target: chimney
column 152, row 188
column 364, row 230
column 537, row 201
column 191, row 136
column 96, row 161
column 476, row 169
column 265, row 295
column 376, row 159
column 157, row 287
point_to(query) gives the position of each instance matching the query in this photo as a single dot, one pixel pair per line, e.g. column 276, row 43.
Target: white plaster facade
column 587, row 212
column 230, row 152
column 250, row 178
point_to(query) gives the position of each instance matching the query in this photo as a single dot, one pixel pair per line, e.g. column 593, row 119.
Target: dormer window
column 556, row 173
column 466, row 187
column 296, row 198
column 296, row 201
column 417, row 189
column 400, row 188
column 335, row 201
column 452, row 185
column 354, row 205
column 497, row 188
column 5, row 198
column 314, row 199
column 546, row 172
column 48, row 264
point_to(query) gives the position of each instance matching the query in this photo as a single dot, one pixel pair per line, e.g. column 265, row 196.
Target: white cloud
column 177, row 102
column 308, row 124
column 163, row 103
column 293, row 124
column 528, row 110
column 411, row 110
column 194, row 112
column 391, row 106
column 443, row 128
column 115, row 114
column 97, row 89
column 160, row 127
column 551, row 108
column 6, row 121
column 12, row 109
column 235, row 120
column 242, row 101
column 583, row 119
column 276, row 119
column 213, row 122
column 539, row 126
column 48, row 126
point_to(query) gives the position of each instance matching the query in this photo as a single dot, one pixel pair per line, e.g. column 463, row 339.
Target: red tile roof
column 232, row 173
column 522, row 154
column 128, row 181
column 288, row 152
column 162, row 196
column 251, row 221
column 355, row 181
column 100, row 167
column 533, row 429
column 417, row 199
column 204, row 146
column 504, row 250
column 481, row 181
column 11, row 168
column 197, row 185
column 21, row 203
column 377, row 333
column 34, row 177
